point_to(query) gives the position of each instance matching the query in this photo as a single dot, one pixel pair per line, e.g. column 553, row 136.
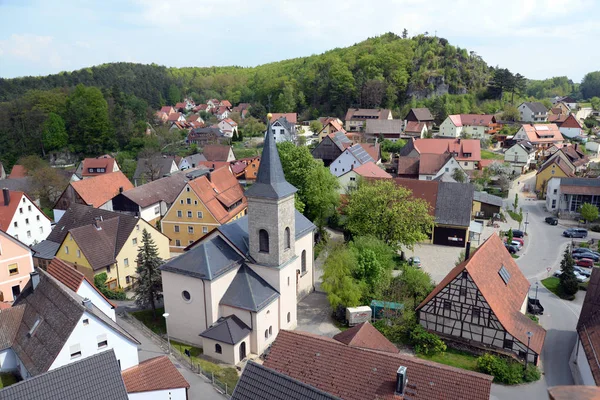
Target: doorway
column 16, row 291
column 242, row 351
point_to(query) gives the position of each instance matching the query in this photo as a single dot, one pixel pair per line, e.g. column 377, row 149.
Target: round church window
column 186, row 296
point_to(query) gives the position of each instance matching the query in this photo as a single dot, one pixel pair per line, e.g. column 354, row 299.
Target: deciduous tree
column 343, row 290
column 589, row 212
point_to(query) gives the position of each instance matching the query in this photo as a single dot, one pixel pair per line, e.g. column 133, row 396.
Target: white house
column 228, row 127
column 567, row 195
column 242, row 282
column 155, row 379
column 191, row 161
column 568, row 100
column 349, row 180
column 283, row 130
column 473, row 125
column 533, row 112
column 520, row 156
column 571, row 127
column 352, row 157
column 51, row 326
column 21, row 218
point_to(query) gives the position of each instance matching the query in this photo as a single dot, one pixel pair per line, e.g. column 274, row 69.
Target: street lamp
column 526, row 221
column 537, row 285
column 529, row 335
column 166, row 315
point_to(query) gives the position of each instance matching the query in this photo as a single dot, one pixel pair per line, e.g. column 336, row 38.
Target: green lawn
column 245, row 153
column 7, row 380
column 226, row 375
column 454, row 358
column 551, row 283
column 490, row 155
column 157, row 325
column 514, row 256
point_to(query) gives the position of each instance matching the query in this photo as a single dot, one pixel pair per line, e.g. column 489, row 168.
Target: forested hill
column 380, row 71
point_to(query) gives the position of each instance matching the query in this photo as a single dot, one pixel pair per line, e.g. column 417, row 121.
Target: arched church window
column 263, row 241
column 287, row 238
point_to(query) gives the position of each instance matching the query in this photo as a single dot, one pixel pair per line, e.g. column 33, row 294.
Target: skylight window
column 34, row 327
column 504, row 274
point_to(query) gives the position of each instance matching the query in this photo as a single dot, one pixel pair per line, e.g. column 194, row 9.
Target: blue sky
column 539, row 39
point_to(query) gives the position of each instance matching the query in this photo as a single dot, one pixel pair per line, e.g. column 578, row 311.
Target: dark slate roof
column 58, row 309
column 194, row 159
column 163, row 164
column 454, row 204
column 248, row 291
column 97, row 377
column 78, row 215
column 207, row 260
column 19, row 185
column 270, row 181
column 45, row 249
column 587, row 182
column 230, row 330
column 537, row 107
column 237, row 231
column 261, row 383
column 341, row 140
column 361, row 154
column 487, row 198
column 10, row 319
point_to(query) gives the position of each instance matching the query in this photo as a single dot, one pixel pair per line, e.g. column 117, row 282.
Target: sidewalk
column 200, row 389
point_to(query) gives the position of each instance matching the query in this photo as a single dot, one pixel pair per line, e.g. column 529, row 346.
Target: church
column 234, row 289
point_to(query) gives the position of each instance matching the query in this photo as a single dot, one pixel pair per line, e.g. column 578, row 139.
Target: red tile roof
column 106, row 162
column 430, row 164
column 573, row 392
column 542, row 133
column 459, row 146
column 180, row 105
column 99, row 189
column 157, row 373
column 472, row 119
column 505, row 300
column 373, row 149
column 167, row 110
column 588, row 325
column 426, row 190
column 66, row 273
column 18, row 171
column 174, row 116
column 219, row 193
column 571, row 122
column 414, row 127
column 216, row 152
column 362, row 113
column 290, row 117
column 359, row 374
column 225, row 103
column 365, row 336
column 371, row 170
column 7, row 212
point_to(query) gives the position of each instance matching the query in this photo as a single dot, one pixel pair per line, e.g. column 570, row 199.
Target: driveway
column 200, row 389
column 314, row 315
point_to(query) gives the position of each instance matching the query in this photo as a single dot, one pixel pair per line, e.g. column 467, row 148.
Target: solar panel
column 504, row 274
column 360, row 153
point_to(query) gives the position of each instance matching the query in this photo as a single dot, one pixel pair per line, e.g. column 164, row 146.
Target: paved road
column 200, row 389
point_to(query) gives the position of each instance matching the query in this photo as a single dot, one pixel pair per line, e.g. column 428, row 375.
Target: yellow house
column 202, row 205
column 332, row 125
column 556, row 167
column 111, row 245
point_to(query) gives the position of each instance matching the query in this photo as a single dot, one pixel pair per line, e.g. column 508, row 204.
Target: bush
column 595, row 228
column 502, row 370
column 100, row 283
column 425, row 342
column 531, row 374
column 394, row 332
column 584, row 245
column 534, row 318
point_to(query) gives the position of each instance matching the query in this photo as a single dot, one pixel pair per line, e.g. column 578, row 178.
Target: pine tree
column 240, row 136
column 234, row 138
column 149, row 283
column 568, row 283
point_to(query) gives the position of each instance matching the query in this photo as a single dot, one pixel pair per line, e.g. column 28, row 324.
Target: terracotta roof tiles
column 216, row 152
column 7, row 212
column 157, row 373
column 18, row 171
column 98, row 190
column 290, row 117
column 367, row 337
column 371, row 170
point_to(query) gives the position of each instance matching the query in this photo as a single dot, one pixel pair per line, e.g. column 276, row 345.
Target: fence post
column 212, row 377
column 226, row 392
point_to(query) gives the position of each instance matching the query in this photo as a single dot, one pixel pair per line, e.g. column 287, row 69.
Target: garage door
column 449, row 236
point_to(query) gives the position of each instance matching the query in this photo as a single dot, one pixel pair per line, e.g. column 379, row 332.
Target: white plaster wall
column 570, row 132
column 516, row 154
column 39, row 230
column 305, row 282
column 476, row 132
column 173, row 394
column 244, row 315
column 126, row 351
column 148, row 214
column 8, row 360
column 86, row 290
column 448, row 129
column 215, row 290
column 343, row 163
column 553, row 183
column 582, row 373
column 345, row 181
column 58, row 214
column 267, row 317
column 180, row 324
column 227, row 351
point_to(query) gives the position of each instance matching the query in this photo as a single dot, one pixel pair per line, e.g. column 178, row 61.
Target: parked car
column 535, row 307
column 415, row 261
column 591, row 256
column 552, row 220
column 583, row 271
column 585, row 251
column 585, row 262
column 576, row 233
column 520, row 240
column 557, row 273
column 580, row 278
column 511, row 249
column 518, row 245
column 518, row 233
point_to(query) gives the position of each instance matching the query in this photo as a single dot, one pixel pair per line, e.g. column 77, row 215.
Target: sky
column 539, row 39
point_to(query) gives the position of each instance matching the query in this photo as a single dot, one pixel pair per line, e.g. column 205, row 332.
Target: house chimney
column 401, row 381
column 120, row 189
column 468, row 250
column 6, row 194
column 35, row 279
column 87, row 303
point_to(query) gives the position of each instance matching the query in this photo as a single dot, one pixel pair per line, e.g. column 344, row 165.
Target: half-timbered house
column 482, row 303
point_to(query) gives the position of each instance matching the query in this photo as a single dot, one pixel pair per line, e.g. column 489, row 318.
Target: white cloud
column 32, row 48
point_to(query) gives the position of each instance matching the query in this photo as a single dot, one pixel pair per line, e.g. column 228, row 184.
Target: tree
column 414, row 284
column 459, row 176
column 375, row 262
column 404, row 33
column 389, row 212
column 595, row 102
column 516, row 202
column 54, row 135
column 174, row 95
column 590, row 85
column 235, row 138
column 511, row 113
column 315, row 126
column 568, row 284
column 149, row 282
column 342, row 289
column 509, row 236
column 589, row 212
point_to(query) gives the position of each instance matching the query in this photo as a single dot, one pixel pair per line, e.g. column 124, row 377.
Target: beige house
column 356, row 118
column 242, row 281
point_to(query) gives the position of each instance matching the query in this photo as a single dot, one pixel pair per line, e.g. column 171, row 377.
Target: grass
column 490, row 155
column 157, row 325
column 551, row 283
column 7, row 379
column 245, row 153
column 514, row 256
column 454, row 358
column 341, row 326
column 226, row 375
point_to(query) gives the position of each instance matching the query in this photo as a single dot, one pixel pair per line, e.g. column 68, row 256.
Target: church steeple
column 270, row 181
column 271, row 211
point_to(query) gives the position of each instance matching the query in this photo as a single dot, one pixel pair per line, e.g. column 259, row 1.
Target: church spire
column 270, row 181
